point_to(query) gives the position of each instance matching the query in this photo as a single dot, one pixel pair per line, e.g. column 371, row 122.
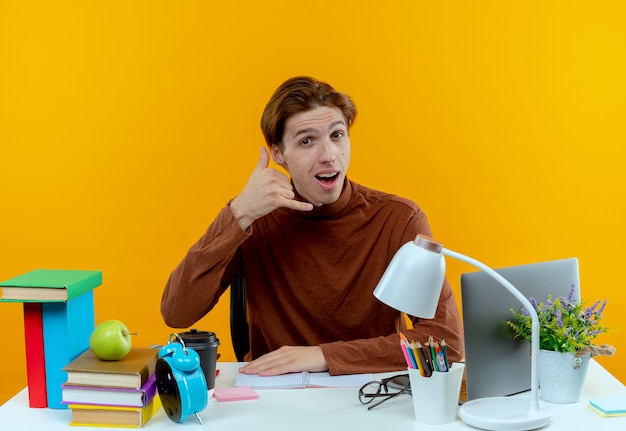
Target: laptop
column 496, row 363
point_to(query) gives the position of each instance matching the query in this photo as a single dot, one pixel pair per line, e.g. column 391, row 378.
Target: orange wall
column 125, row 127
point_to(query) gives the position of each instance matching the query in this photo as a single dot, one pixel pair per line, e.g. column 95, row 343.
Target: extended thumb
column 264, row 160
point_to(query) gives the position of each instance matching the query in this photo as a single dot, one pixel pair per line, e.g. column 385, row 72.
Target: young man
column 311, row 248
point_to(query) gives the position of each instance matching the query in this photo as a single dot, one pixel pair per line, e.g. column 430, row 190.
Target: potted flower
column 567, row 329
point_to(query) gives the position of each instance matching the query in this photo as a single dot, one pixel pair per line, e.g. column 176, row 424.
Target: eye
column 305, row 141
column 337, row 135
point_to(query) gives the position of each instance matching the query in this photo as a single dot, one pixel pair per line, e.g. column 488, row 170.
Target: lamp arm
column 534, row 345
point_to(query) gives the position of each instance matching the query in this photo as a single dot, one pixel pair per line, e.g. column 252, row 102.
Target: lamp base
column 504, row 414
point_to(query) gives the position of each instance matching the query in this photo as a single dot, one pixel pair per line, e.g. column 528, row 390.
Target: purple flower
column 570, row 296
column 594, row 333
column 589, row 311
column 533, row 302
column 565, row 324
column 599, row 312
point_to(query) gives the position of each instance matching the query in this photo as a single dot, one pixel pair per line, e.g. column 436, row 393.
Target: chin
column 324, row 197
column 327, row 201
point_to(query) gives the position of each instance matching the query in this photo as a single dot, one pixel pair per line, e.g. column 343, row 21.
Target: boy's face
column 316, row 153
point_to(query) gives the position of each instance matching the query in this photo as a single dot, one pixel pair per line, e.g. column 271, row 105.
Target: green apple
column 110, row 340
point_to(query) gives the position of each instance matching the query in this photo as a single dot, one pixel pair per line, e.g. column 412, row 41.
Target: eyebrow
column 310, row 129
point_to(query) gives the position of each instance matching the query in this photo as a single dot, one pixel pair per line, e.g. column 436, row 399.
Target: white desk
column 316, row 409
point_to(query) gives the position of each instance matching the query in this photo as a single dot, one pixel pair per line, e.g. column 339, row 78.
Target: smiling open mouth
column 327, row 178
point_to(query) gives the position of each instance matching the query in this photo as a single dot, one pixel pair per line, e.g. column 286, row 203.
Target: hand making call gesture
column 266, row 190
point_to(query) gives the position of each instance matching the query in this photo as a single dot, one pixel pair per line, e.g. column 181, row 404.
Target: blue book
column 67, row 327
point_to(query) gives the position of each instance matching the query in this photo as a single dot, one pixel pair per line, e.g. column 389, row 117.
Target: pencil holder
column 436, row 398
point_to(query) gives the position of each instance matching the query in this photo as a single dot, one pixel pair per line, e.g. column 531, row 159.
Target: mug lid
column 195, row 337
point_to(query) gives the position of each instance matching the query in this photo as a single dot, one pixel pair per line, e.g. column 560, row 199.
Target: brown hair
column 297, row 95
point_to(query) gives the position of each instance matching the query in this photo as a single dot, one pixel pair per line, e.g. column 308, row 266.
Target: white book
column 304, row 379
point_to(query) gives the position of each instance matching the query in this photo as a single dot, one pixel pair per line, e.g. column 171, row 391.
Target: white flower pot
column 561, row 376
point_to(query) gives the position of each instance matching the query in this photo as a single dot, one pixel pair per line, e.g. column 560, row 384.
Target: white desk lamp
column 412, row 283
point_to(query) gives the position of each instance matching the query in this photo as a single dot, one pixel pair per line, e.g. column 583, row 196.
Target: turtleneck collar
column 327, row 211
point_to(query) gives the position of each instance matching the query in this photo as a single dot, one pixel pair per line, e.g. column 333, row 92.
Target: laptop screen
column 497, row 364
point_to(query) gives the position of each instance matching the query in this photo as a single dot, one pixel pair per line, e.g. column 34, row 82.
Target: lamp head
column 412, row 282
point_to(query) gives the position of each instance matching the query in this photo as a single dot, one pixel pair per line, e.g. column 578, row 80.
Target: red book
column 35, row 362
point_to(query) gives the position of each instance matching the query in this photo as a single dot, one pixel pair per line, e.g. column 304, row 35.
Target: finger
column 257, row 366
column 282, row 365
column 264, row 160
column 266, row 364
column 297, row 205
column 288, row 195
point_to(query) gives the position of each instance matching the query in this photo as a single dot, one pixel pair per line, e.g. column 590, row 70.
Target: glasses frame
column 382, row 390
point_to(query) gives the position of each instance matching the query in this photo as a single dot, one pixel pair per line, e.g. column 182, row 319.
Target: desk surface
column 315, row 409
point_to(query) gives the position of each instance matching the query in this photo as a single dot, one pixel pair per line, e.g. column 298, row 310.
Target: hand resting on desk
column 287, row 359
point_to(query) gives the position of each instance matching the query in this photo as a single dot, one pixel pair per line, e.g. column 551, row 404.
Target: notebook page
column 283, row 381
column 325, row 380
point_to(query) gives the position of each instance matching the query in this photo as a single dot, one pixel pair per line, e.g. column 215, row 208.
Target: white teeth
column 327, row 175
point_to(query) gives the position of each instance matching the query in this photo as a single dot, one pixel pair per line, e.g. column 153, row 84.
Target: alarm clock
column 180, row 380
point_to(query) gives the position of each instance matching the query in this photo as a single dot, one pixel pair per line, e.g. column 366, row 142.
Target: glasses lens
column 399, row 382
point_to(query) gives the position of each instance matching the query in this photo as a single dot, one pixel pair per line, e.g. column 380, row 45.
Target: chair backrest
column 239, row 331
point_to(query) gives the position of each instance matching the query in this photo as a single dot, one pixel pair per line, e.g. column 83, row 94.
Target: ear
column 277, row 155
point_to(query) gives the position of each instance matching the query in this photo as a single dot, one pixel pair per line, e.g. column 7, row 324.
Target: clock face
column 168, row 390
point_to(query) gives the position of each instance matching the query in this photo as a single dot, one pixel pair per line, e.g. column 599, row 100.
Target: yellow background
column 126, row 126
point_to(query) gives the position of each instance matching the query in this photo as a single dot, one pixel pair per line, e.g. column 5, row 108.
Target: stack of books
column 119, row 393
column 58, row 321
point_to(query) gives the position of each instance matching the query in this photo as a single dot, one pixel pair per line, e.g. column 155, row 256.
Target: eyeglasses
column 384, row 390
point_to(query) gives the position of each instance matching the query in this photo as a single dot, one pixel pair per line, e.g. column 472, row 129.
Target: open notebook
column 303, row 380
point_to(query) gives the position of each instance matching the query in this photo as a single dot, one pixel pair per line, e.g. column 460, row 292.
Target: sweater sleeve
column 384, row 353
column 195, row 285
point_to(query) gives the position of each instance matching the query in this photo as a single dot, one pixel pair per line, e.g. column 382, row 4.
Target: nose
column 327, row 151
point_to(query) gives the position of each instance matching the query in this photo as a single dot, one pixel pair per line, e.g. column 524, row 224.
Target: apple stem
column 130, row 333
